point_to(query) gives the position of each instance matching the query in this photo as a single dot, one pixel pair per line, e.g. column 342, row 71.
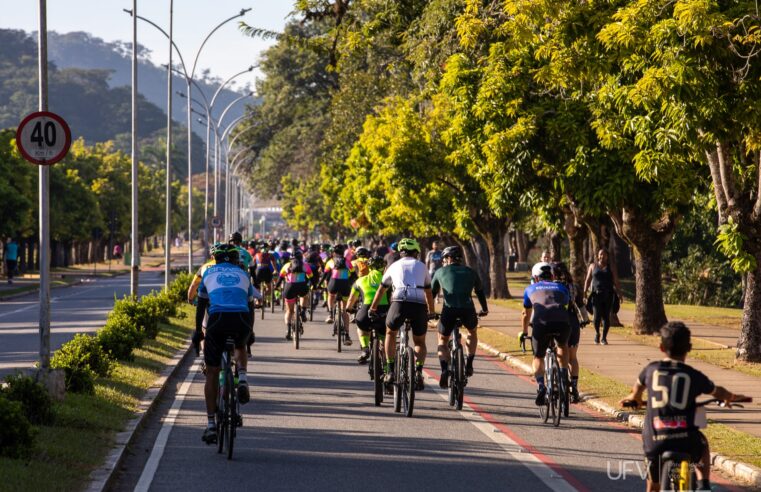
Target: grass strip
column 701, row 350
column 85, row 425
column 729, row 442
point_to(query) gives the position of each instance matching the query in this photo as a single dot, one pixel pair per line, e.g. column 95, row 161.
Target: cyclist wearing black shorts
column 340, row 273
column 563, row 276
column 297, row 275
column 230, row 293
column 411, row 299
column 672, row 387
column 364, row 290
column 315, row 262
column 457, row 283
column 545, row 309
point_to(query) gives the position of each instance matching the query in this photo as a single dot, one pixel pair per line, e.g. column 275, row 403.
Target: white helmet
column 541, row 270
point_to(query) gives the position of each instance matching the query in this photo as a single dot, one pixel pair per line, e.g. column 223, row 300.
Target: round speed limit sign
column 43, row 138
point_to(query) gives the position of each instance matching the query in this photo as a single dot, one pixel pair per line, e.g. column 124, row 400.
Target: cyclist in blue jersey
column 230, row 294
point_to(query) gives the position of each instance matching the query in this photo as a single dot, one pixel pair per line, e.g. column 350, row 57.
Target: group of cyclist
column 391, row 286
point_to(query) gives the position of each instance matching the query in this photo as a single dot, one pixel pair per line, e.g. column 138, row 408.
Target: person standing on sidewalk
column 605, row 288
column 11, row 259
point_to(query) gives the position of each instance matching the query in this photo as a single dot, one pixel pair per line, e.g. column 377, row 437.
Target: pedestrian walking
column 605, row 291
column 117, row 252
column 11, row 259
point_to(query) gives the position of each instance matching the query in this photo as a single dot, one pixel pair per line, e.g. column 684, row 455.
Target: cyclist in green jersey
column 364, row 290
column 244, row 257
column 457, row 282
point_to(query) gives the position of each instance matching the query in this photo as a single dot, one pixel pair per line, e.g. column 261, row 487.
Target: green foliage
column 82, row 358
column 700, row 279
column 160, row 305
column 731, row 242
column 16, row 433
column 144, row 316
column 120, row 336
column 34, row 398
column 178, row 288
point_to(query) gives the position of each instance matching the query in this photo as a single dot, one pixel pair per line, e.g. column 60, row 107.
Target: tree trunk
column 577, row 234
column 749, row 341
column 494, row 235
column 522, row 246
column 556, row 241
column 482, row 260
column 648, row 240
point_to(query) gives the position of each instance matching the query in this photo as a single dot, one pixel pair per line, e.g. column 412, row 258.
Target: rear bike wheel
column 230, row 417
column 409, row 394
column 297, row 325
column 555, row 396
column 311, row 305
column 452, row 375
column 670, row 477
column 460, row 379
column 338, row 320
column 377, row 371
column 272, row 298
column 398, row 383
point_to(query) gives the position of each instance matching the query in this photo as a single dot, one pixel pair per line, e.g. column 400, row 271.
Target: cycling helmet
column 376, row 263
column 408, row 244
column 339, row 249
column 252, row 244
column 235, row 237
column 362, row 252
column 453, row 252
column 542, row 270
column 226, row 253
column 298, row 255
column 394, row 246
column 356, row 243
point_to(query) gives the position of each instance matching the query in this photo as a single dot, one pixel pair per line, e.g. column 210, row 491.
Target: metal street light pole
column 168, row 230
column 44, row 198
column 134, row 239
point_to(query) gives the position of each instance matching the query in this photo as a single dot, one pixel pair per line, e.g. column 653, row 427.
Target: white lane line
column 146, row 478
column 512, row 448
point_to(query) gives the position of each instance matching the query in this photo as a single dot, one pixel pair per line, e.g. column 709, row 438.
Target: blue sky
column 226, row 53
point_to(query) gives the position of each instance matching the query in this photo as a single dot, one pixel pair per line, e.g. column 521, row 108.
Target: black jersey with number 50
column 672, row 388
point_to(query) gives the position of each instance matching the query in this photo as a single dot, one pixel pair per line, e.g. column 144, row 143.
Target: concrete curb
column 37, row 290
column 101, row 478
column 735, row 469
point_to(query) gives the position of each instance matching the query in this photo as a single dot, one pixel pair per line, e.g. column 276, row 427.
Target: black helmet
column 376, row 263
column 356, row 243
column 339, row 249
column 453, row 252
column 252, row 244
column 297, row 254
column 362, row 252
column 236, row 237
column 226, row 253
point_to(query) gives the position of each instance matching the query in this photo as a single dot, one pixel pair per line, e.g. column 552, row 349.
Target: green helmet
column 408, row 244
column 216, row 247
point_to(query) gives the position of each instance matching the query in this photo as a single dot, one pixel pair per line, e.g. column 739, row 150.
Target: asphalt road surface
column 81, row 308
column 312, row 425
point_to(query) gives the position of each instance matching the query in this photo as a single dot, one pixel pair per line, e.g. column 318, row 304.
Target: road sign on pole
column 43, row 138
column 216, row 222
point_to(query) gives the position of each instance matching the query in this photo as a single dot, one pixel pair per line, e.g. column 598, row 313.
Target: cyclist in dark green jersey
column 364, row 290
column 457, row 282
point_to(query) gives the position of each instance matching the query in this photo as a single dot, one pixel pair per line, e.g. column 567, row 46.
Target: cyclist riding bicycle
column 457, row 282
column 264, row 266
column 364, row 290
column 314, row 260
column 672, row 387
column 230, row 294
column 563, row 276
column 296, row 274
column 411, row 299
column 243, row 257
column 545, row 309
column 203, row 301
column 340, row 273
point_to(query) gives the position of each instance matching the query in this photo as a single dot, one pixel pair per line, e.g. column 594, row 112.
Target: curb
column 735, row 469
column 102, row 477
column 36, row 291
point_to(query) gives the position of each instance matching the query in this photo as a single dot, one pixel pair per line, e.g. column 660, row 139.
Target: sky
column 226, row 53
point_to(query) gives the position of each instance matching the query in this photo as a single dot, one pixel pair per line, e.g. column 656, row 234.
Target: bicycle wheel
column 377, row 371
column 398, row 383
column 555, row 396
column 565, row 397
column 460, row 379
column 338, row 320
column 221, row 416
column 409, row 394
column 272, row 298
column 452, row 375
column 297, row 325
column 670, row 477
column 230, row 416
column 311, row 305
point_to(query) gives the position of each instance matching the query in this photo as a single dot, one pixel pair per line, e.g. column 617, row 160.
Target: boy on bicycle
column 672, row 387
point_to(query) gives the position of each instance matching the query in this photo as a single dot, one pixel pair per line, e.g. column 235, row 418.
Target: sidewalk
column 622, row 360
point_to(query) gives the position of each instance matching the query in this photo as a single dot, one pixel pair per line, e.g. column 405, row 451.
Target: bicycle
column 557, row 399
column 272, row 296
column 377, row 359
column 404, row 372
column 228, row 407
column 296, row 326
column 340, row 331
column 677, row 468
column 458, row 380
column 315, row 297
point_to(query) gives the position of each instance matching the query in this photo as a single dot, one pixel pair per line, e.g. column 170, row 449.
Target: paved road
column 312, row 425
column 78, row 309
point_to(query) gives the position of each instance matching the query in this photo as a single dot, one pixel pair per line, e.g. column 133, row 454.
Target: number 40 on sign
column 43, row 138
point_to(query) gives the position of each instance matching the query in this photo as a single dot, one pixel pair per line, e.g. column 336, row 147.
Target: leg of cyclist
column 540, row 342
column 563, row 332
column 303, row 300
column 471, row 345
column 390, row 346
column 331, row 303
column 210, row 390
column 345, row 316
column 290, row 308
column 443, row 351
column 364, row 325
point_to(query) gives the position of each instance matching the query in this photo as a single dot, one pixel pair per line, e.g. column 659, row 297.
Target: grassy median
column 724, row 440
column 85, row 425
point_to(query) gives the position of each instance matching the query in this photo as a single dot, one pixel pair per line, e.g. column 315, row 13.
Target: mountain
column 82, row 50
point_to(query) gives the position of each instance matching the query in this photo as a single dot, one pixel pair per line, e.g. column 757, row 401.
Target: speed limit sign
column 43, row 138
